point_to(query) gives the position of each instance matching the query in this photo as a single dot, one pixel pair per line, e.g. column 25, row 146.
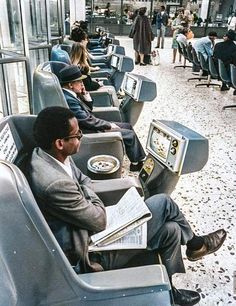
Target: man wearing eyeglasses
column 75, row 94
column 74, row 211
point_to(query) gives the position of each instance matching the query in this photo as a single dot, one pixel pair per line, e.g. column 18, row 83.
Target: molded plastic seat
column 35, row 271
column 205, row 67
column 212, row 68
column 47, row 92
column 180, row 49
column 233, row 82
column 225, row 77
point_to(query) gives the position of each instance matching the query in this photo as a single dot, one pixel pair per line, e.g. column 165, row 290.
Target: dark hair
column 142, row 11
column 52, row 123
column 184, row 31
column 163, row 7
column 77, row 34
column 212, row 33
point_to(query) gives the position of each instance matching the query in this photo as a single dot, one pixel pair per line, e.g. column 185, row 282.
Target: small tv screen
column 129, row 85
column 160, row 143
column 114, row 61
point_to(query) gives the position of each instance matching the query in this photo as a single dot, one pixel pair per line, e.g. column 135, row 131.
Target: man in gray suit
column 74, row 92
column 74, row 212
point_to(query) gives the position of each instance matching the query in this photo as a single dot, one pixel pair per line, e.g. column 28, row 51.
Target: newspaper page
column 128, row 213
column 135, row 239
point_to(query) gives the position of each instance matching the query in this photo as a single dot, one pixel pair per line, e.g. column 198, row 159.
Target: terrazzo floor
column 207, row 197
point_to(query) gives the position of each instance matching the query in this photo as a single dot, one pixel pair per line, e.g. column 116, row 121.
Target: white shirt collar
column 66, row 165
column 71, row 92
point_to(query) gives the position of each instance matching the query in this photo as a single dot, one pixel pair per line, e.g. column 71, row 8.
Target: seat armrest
column 101, row 137
column 101, row 98
column 110, row 143
column 151, row 276
column 111, row 191
column 108, row 113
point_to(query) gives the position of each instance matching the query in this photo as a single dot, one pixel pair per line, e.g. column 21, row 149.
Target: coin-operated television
column 139, row 87
column 177, row 147
column 122, row 63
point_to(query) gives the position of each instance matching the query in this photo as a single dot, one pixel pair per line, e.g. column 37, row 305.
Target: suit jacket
column 70, row 206
column 161, row 19
column 224, row 51
column 87, row 121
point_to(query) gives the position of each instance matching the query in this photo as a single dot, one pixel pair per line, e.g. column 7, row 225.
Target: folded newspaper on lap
column 126, row 225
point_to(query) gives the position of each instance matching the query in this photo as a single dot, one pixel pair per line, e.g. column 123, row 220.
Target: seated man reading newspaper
column 75, row 213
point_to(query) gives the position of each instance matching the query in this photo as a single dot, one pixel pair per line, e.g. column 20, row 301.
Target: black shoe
column 136, row 167
column 224, row 88
column 143, row 64
column 136, row 63
column 234, row 93
column 185, row 297
column 157, row 46
column 212, row 243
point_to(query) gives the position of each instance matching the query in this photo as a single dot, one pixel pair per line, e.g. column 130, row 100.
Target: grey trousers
column 167, row 231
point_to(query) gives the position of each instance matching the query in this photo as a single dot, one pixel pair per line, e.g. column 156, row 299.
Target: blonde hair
column 79, row 56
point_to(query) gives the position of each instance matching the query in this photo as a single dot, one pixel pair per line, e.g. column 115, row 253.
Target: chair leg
column 208, row 84
column 197, row 78
column 182, row 66
column 229, row 106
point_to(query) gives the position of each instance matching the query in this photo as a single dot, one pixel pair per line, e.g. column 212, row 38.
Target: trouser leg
column 158, row 37
column 167, row 230
column 133, row 147
column 163, row 32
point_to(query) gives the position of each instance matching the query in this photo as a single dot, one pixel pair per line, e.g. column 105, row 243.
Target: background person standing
column 142, row 36
column 161, row 23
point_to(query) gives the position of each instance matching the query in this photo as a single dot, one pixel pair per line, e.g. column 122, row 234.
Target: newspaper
column 126, row 224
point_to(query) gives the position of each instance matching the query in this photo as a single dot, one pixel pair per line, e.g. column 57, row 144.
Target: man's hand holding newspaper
column 126, row 225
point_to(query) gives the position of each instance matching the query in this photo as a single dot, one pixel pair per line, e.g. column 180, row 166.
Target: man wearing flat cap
column 74, row 91
column 225, row 51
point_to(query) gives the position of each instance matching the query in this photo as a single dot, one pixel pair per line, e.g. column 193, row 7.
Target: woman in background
column 177, row 26
column 142, row 36
column 79, row 57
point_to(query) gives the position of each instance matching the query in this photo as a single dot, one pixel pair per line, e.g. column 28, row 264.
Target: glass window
column 11, row 34
column 54, row 18
column 14, row 89
column 35, row 14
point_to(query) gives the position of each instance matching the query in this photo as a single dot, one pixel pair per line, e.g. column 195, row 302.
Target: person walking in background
column 161, row 23
column 142, row 35
column 176, row 26
column 232, row 22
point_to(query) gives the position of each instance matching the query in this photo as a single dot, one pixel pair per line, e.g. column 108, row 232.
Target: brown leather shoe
column 212, row 243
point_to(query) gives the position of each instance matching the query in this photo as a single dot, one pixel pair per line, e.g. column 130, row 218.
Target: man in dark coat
column 72, row 84
column 142, row 36
column 74, row 211
column 161, row 24
column 225, row 51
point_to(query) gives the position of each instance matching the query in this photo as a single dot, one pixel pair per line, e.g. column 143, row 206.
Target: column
column 204, row 9
column 77, row 10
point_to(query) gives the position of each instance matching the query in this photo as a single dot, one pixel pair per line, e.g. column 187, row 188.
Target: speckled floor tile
column 207, row 197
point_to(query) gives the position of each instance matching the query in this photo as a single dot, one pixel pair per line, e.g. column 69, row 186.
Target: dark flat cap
column 70, row 73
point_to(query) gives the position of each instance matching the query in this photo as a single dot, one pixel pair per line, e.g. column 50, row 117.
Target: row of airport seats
column 138, row 89
column 34, row 269
column 113, row 74
column 208, row 67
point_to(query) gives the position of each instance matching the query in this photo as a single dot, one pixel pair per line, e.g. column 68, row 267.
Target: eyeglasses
column 79, row 135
